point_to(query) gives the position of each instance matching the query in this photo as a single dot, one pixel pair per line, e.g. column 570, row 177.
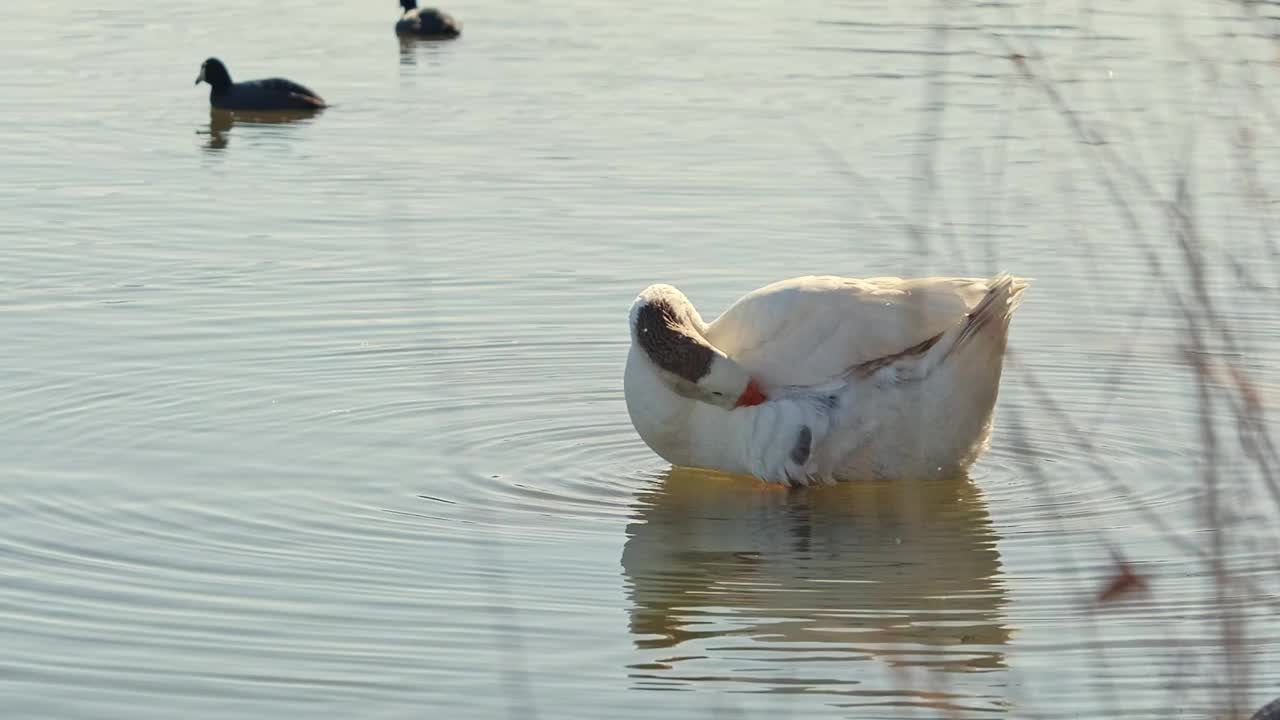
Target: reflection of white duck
column 818, row 379
column 907, row 572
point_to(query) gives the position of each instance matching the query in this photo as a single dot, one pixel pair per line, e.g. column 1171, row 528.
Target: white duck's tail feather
column 988, row 319
column 996, row 308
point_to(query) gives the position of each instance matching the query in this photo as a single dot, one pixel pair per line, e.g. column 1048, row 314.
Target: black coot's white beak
column 200, row 78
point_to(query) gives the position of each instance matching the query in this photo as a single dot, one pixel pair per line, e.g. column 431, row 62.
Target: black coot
column 268, row 94
column 1270, row 711
column 427, row 22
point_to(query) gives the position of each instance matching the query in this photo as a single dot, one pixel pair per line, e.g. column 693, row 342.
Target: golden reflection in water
column 221, row 122
column 731, row 578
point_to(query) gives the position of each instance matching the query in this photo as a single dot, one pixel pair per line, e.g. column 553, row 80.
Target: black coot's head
column 409, row 5
column 215, row 73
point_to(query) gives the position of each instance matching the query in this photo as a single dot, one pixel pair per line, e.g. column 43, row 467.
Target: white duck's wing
column 987, row 324
column 811, row 329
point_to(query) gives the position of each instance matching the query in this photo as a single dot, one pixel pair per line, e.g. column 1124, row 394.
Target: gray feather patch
column 800, row 451
column 670, row 343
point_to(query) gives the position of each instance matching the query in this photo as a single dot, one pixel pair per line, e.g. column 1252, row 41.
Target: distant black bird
column 427, row 22
column 268, row 94
column 1270, row 711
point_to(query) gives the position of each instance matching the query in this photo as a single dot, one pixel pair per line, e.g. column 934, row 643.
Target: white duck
column 818, row 379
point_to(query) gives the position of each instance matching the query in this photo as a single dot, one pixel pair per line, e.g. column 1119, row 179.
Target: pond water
column 324, row 418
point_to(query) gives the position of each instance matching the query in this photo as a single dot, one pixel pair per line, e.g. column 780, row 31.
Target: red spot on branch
column 1124, row 581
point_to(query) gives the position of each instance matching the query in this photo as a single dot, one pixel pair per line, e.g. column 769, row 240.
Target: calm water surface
column 324, row 418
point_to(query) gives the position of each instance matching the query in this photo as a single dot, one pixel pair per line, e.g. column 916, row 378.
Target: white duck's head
column 670, row 334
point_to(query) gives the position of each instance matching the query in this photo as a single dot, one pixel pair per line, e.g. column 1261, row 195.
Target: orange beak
column 751, row 396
